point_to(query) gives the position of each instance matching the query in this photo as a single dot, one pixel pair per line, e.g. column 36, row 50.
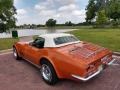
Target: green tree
column 113, row 10
column 101, row 18
column 51, row 23
column 101, row 4
column 69, row 23
column 7, row 12
column 91, row 9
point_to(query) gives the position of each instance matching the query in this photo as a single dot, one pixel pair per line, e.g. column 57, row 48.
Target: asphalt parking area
column 20, row 75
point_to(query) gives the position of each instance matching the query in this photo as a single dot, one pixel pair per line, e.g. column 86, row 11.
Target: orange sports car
column 63, row 56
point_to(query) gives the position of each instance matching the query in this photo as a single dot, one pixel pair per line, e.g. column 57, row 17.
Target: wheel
column 48, row 73
column 15, row 54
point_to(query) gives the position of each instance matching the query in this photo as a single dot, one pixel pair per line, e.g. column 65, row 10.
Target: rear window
column 65, row 39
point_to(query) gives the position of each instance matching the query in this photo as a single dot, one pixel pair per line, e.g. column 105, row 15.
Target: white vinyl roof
column 49, row 39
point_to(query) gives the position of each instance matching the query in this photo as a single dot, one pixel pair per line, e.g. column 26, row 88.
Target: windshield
column 65, row 39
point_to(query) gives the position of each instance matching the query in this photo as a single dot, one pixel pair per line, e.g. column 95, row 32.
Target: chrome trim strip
column 88, row 78
column 111, row 62
column 31, row 63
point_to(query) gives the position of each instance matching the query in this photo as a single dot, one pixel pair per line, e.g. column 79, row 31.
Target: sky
column 39, row 11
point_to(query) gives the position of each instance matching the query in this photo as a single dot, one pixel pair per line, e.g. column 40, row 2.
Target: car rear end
column 96, row 62
column 93, row 58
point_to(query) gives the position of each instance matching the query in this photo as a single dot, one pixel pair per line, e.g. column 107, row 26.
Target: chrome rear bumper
column 91, row 76
column 111, row 62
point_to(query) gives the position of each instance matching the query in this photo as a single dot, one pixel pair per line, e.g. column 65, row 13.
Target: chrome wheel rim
column 14, row 52
column 46, row 72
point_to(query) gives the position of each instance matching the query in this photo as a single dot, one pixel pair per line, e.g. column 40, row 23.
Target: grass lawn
column 7, row 43
column 109, row 38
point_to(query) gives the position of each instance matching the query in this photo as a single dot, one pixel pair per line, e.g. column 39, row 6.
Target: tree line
column 103, row 12
column 98, row 13
column 51, row 23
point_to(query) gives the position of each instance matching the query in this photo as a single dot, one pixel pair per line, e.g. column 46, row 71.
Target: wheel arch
column 14, row 46
column 51, row 61
column 17, row 49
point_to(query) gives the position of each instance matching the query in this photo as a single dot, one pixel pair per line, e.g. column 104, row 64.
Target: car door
column 34, row 50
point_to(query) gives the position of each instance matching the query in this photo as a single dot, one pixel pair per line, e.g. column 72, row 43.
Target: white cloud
column 43, row 10
column 57, row 16
column 21, row 16
column 61, row 10
column 16, row 2
column 21, row 11
column 67, row 7
column 47, row 13
column 65, row 2
column 79, row 12
column 38, row 7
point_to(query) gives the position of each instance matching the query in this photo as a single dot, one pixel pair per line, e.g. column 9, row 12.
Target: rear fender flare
column 51, row 61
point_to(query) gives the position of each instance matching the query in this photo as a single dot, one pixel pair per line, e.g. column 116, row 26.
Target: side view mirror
column 31, row 43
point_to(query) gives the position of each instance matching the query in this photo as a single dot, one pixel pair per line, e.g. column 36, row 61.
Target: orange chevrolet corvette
column 63, row 56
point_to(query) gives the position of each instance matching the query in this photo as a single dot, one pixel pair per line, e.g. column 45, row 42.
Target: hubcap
column 14, row 52
column 46, row 72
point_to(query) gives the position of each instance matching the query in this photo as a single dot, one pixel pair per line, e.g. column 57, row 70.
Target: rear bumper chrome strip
column 88, row 78
column 111, row 62
column 93, row 75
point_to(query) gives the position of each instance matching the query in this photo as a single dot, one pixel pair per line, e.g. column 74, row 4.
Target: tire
column 48, row 73
column 15, row 54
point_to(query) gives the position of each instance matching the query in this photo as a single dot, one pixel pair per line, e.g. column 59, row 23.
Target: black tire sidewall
column 54, row 75
column 17, row 57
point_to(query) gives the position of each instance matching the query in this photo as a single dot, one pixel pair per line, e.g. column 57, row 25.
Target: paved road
column 20, row 75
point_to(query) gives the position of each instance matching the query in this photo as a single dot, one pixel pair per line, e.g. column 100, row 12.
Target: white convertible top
column 49, row 39
column 54, row 35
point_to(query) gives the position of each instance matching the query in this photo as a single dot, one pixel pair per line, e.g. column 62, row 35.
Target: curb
column 116, row 53
column 5, row 51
